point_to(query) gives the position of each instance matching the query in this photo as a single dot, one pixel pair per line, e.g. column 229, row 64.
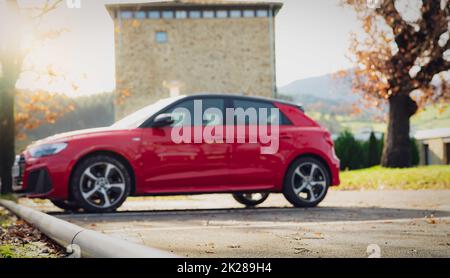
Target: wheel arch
column 114, row 154
column 311, row 155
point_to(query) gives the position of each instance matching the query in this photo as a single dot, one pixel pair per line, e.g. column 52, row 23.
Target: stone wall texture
column 230, row 55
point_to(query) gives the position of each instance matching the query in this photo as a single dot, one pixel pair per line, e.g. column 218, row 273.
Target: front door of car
column 177, row 159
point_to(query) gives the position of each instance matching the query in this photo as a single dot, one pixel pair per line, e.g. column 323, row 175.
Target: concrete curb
column 91, row 244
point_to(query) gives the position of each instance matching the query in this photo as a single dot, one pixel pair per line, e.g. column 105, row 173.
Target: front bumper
column 17, row 175
column 33, row 183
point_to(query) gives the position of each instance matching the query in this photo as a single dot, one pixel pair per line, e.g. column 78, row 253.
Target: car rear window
column 246, row 104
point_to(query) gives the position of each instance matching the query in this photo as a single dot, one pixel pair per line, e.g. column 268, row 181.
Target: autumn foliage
column 34, row 109
column 396, row 52
column 402, row 60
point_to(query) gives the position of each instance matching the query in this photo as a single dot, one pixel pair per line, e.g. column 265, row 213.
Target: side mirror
column 162, row 120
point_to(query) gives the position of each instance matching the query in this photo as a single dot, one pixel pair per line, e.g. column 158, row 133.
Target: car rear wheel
column 306, row 182
column 251, row 199
column 65, row 205
column 100, row 184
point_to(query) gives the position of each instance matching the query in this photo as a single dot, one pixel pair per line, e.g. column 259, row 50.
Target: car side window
column 211, row 109
column 252, row 114
column 182, row 113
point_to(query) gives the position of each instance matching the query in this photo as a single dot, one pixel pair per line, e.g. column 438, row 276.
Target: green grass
column 10, row 197
column 423, row 177
column 27, row 250
column 7, row 251
column 5, row 220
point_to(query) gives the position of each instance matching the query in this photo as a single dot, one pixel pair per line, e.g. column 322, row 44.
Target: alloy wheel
column 102, row 184
column 309, row 182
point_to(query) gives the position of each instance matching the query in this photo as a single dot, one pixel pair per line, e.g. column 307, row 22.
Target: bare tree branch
column 48, row 7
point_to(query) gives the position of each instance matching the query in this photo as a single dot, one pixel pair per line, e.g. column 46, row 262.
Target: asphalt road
column 400, row 223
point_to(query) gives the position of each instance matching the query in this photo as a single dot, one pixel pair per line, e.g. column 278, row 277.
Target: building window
column 161, row 37
column 194, row 14
column 235, row 13
column 126, row 15
column 153, row 14
column 262, row 13
column 180, row 14
column 139, row 15
column 167, row 14
column 208, row 14
column 249, row 13
column 221, row 14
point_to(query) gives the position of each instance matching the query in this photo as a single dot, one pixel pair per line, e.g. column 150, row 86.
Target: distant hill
column 321, row 88
column 329, row 100
column 326, row 94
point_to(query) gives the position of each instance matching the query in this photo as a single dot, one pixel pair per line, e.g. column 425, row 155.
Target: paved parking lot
column 401, row 223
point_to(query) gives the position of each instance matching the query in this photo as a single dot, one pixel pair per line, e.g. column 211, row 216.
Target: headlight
column 47, row 149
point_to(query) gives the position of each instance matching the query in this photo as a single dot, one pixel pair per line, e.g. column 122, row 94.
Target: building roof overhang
column 193, row 4
column 432, row 133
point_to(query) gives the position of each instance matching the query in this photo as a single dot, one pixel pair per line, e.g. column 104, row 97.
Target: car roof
column 255, row 98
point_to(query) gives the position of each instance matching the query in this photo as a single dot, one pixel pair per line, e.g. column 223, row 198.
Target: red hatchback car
column 96, row 169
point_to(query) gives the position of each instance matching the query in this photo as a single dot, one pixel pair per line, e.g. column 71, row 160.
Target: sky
column 312, row 38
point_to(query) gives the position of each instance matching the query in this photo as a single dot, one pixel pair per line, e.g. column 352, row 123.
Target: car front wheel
column 66, row 205
column 306, row 182
column 100, row 184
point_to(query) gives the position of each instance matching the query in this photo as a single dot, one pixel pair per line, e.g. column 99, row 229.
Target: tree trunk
column 397, row 145
column 6, row 136
column 11, row 62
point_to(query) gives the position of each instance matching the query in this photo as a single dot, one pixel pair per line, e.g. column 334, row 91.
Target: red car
column 96, row 169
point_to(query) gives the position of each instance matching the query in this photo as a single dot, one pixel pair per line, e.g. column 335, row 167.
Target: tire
column 303, row 189
column 100, row 184
column 65, row 205
column 247, row 200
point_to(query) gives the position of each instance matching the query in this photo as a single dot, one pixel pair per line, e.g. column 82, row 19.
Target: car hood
column 67, row 136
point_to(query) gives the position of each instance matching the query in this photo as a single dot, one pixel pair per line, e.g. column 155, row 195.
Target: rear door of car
column 256, row 165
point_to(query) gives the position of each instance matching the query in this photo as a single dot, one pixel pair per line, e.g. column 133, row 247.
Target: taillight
column 328, row 139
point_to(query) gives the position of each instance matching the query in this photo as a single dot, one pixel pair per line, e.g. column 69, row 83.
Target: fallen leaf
column 20, row 222
column 300, row 250
column 234, row 246
column 431, row 221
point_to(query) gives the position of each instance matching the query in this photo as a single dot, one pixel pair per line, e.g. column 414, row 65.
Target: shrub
column 355, row 154
column 373, row 151
column 350, row 151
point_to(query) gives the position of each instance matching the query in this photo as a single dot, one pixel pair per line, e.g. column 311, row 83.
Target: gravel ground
column 20, row 240
column 402, row 223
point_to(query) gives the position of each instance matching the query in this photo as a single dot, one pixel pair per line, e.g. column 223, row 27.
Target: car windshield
column 137, row 118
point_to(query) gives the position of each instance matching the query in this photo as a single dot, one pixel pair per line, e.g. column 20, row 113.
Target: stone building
column 193, row 46
column 434, row 146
